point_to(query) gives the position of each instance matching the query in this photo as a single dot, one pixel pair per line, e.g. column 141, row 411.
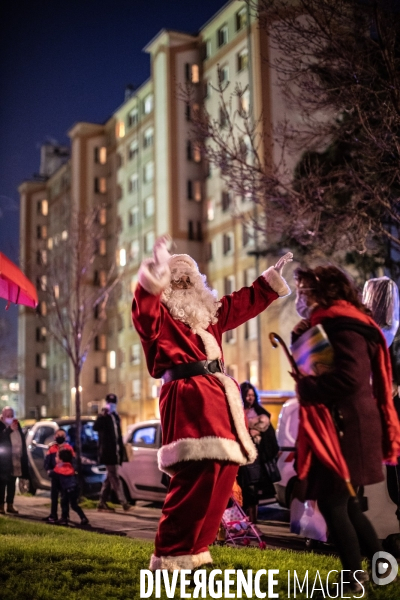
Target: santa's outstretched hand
column 286, row 258
column 161, row 254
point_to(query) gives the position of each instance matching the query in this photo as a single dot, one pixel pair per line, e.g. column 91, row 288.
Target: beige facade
column 144, row 169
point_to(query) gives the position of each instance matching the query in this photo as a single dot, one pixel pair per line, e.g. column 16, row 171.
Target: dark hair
column 62, row 430
column 329, row 284
column 65, row 455
column 244, row 388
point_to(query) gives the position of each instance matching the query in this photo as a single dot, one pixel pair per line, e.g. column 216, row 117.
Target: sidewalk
column 142, row 520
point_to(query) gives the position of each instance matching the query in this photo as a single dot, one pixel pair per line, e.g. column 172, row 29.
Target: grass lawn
column 42, row 562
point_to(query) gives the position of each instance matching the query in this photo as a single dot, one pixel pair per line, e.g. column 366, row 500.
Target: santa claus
column 205, row 438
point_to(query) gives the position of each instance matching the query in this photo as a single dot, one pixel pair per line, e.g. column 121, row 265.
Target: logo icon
column 384, row 568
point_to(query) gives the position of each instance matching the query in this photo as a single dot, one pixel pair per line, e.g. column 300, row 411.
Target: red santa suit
column 204, row 433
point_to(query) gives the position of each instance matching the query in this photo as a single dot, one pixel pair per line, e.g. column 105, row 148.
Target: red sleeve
column 239, row 307
column 147, row 314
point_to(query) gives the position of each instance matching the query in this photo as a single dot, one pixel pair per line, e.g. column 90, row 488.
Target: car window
column 89, row 437
column 144, row 436
column 44, row 434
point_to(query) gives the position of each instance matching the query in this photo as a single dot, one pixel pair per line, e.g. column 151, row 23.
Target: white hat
column 182, row 261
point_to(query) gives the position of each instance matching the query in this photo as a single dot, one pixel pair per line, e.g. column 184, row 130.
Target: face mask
column 112, row 407
column 8, row 420
column 302, row 308
column 60, row 439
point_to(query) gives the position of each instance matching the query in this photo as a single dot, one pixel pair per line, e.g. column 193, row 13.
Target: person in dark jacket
column 64, row 473
column 60, row 442
column 111, row 453
column 13, row 458
column 369, row 424
column 254, row 478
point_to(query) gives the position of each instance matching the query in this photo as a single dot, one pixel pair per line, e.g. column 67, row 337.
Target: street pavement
column 141, row 521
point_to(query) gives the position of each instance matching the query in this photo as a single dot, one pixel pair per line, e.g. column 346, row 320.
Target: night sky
column 63, row 61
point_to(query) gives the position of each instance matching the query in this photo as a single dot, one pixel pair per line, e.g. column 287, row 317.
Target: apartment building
column 49, row 206
column 146, row 173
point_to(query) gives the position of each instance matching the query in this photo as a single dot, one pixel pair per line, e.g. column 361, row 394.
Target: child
column 49, row 464
column 65, row 473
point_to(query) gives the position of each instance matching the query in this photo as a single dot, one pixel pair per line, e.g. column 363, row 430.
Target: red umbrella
column 14, row 286
column 317, row 433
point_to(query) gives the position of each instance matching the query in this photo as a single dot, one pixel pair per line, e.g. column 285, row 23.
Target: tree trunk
column 78, row 427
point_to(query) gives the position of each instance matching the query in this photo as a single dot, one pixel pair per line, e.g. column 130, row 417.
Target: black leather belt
column 201, row 367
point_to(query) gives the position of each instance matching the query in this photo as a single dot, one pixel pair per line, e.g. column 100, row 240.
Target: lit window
column 133, row 150
column 241, row 19
column 44, row 207
column 197, row 190
column 120, row 129
column 244, row 101
column 50, row 243
column 135, row 354
column 43, row 257
column 136, row 388
column 133, row 183
column 56, row 291
column 148, row 137
column 102, row 247
column 252, row 367
column 122, row 257
column 242, row 59
column 100, row 185
column 43, row 387
column 149, row 242
column 148, row 104
column 149, row 172
column 100, row 155
column 134, row 251
column 112, row 358
column 100, row 342
column 43, row 283
column 195, row 74
column 100, row 278
column 43, row 360
column 43, row 308
column 210, row 210
column 149, row 207
column 100, row 375
column 222, row 35
column 133, row 117
column 41, row 232
column 43, row 334
column 103, row 216
column 64, row 235
column 196, row 152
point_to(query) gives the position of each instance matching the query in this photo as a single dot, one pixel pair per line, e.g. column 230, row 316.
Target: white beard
column 196, row 306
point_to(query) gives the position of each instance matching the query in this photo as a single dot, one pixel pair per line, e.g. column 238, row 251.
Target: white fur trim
column 150, row 281
column 181, row 261
column 215, row 448
column 176, row 563
column 236, row 407
column 212, row 349
column 277, row 282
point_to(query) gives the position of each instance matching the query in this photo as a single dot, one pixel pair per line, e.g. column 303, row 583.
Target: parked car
column 38, row 438
column 377, row 498
column 141, row 476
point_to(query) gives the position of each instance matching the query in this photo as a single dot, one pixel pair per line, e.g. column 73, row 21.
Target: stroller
column 236, row 529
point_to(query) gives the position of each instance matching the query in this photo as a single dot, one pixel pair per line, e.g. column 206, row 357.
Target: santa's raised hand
column 286, row 258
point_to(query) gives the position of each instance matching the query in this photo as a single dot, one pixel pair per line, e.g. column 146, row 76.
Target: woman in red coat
column 370, row 427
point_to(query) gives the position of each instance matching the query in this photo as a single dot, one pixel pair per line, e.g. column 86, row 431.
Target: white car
column 381, row 508
column 140, row 476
